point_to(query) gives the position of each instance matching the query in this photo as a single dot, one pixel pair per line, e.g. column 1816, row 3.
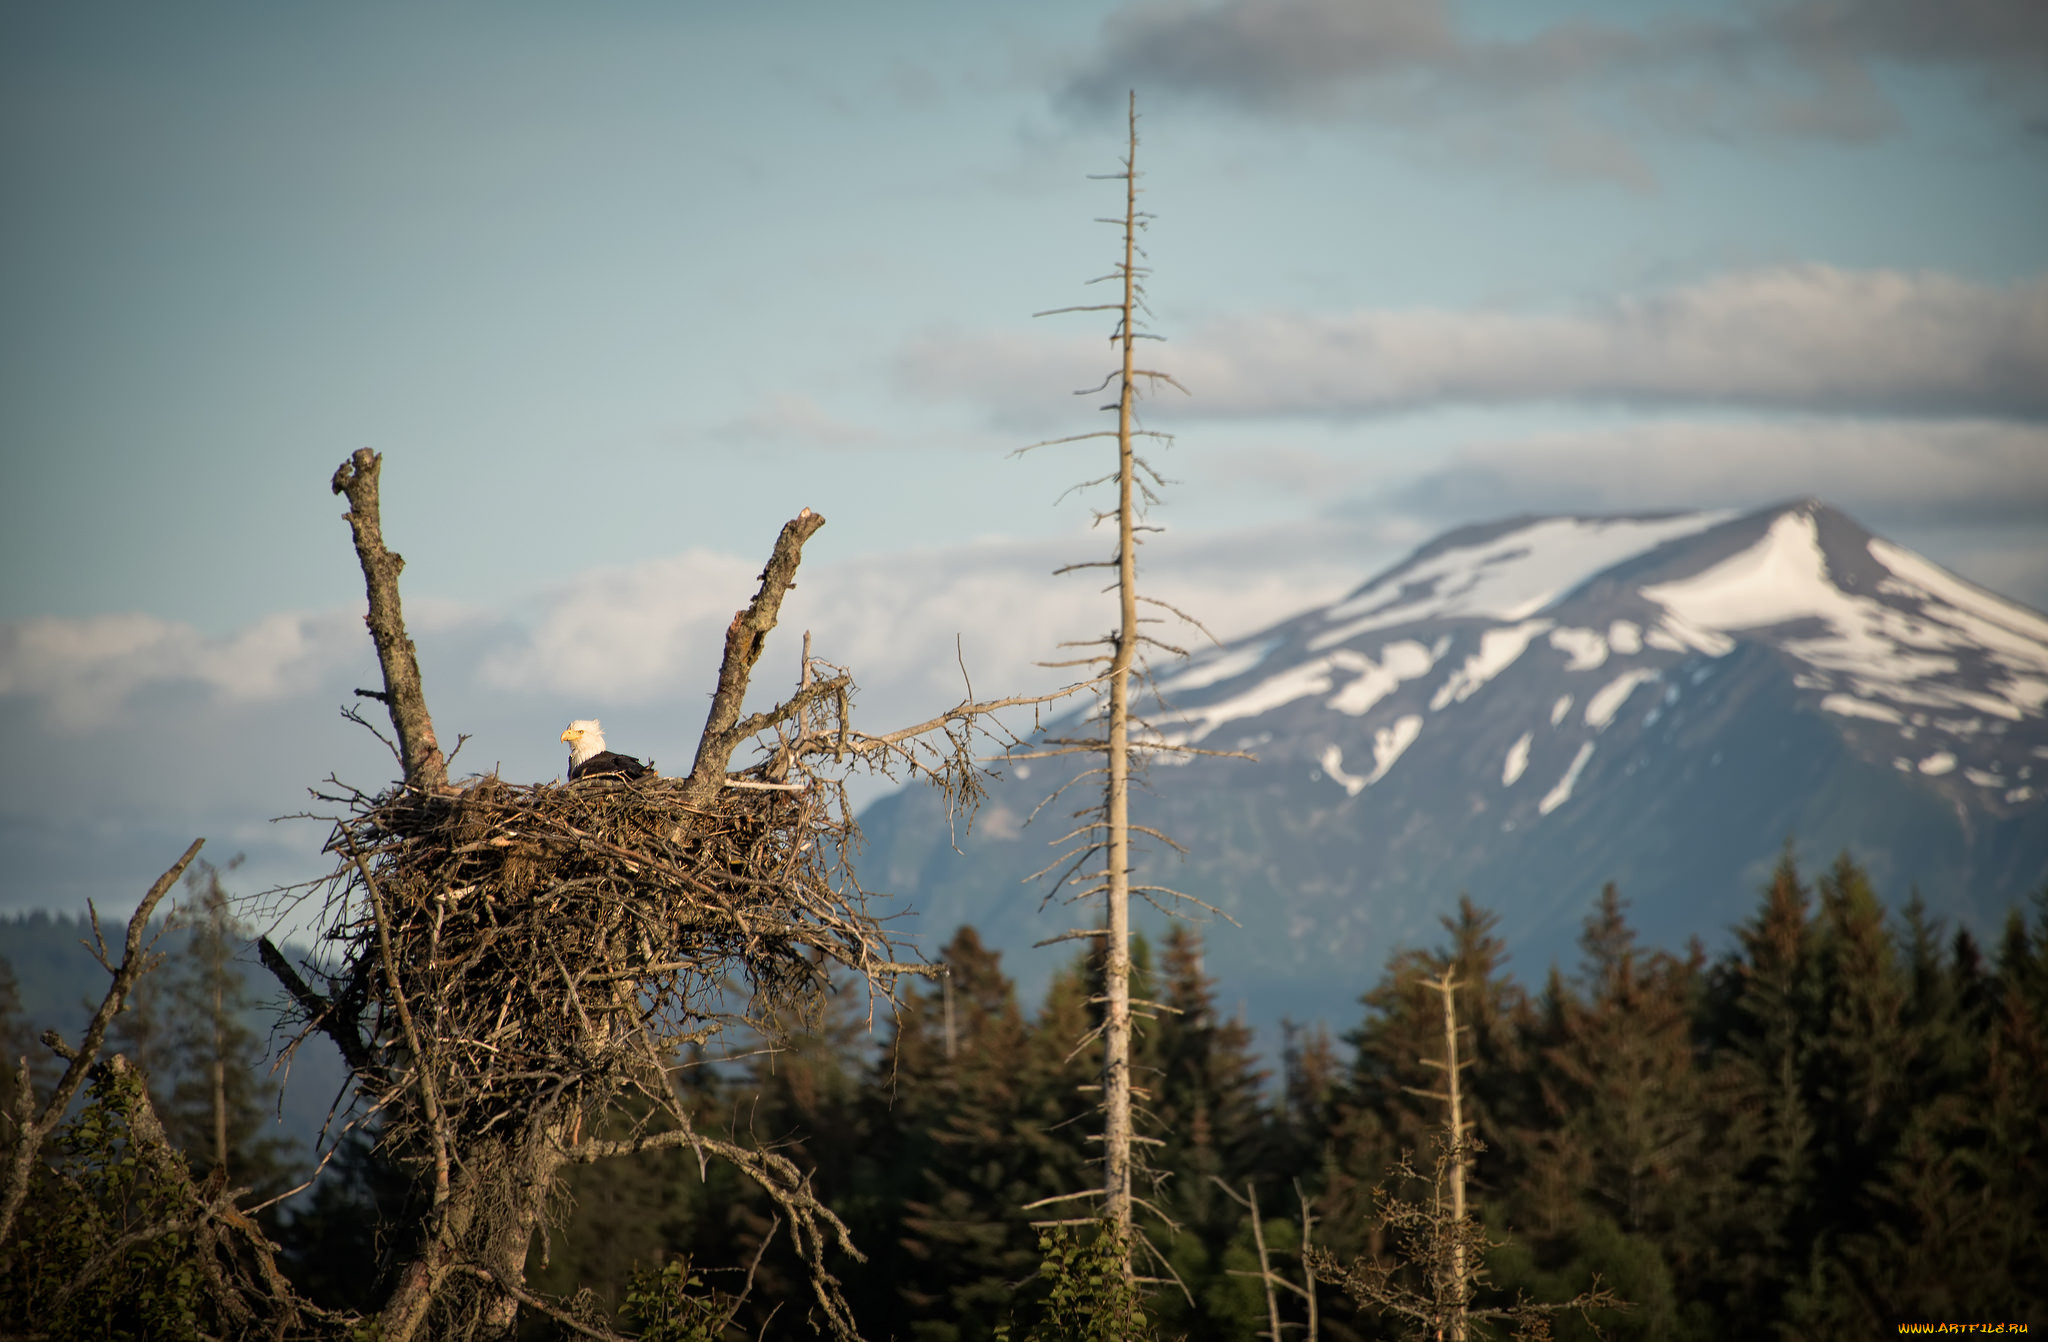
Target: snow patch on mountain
column 1498, row 650
column 1517, row 761
column 1607, row 701
column 1404, row 660
column 1296, row 682
column 1562, row 793
column 1217, row 667
column 1586, row 648
column 1851, row 707
column 1510, row 577
column 1332, row 760
column 1371, row 682
column 1996, row 623
column 1388, row 745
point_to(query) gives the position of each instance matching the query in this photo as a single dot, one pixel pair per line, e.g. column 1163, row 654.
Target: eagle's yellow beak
column 571, row 736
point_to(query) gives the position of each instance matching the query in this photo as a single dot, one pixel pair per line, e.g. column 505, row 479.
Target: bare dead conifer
column 504, row 966
column 1439, row 1265
column 1102, row 832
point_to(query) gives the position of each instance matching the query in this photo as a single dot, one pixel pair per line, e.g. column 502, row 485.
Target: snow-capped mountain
column 1526, row 709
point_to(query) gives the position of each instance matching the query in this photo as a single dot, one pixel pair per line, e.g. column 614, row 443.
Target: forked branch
column 745, row 637
column 425, row 767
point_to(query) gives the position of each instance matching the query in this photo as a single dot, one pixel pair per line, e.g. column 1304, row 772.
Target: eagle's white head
column 586, row 738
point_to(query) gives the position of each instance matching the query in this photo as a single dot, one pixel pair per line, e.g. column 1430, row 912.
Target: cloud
column 627, row 632
column 85, row 670
column 1919, row 473
column 654, row 630
column 1802, row 69
column 1805, row 338
column 792, row 418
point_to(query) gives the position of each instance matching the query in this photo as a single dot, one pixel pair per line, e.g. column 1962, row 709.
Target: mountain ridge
column 1526, row 708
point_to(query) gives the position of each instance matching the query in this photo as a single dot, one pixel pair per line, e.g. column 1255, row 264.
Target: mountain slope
column 1527, row 709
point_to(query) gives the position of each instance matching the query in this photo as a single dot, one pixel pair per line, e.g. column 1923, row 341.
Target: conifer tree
column 1862, row 1042
column 1209, row 1087
column 225, row 1102
column 1766, row 1011
column 1954, row 1223
column 962, row 1100
column 1206, row 1098
column 1624, row 1180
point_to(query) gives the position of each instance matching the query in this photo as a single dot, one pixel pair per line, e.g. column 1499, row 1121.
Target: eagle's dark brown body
column 609, row 762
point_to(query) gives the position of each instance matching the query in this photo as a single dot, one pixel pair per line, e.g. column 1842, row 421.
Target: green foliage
column 83, row 1263
column 671, row 1304
column 1083, row 1292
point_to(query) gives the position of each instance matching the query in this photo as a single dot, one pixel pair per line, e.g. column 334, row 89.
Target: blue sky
column 618, row 288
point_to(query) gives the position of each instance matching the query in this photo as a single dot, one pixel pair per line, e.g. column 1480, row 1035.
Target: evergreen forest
column 1838, row 1127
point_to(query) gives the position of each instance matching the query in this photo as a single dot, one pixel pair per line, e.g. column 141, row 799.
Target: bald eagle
column 588, row 757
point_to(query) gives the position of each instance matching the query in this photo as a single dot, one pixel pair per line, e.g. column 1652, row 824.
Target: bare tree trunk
column 1268, row 1278
column 406, row 1310
column 220, row 1103
column 216, row 969
column 1446, row 987
column 1251, row 1193
column 1308, row 1266
column 529, row 1178
column 419, row 752
column 1116, row 1035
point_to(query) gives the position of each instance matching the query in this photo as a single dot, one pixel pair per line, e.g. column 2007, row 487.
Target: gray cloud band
column 1811, row 339
column 1798, row 68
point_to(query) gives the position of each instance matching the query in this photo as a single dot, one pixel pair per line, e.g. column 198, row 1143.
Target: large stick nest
column 552, row 941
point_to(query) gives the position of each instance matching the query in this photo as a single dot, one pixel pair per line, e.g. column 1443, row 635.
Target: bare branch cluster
column 1437, row 1265
column 1274, row 1282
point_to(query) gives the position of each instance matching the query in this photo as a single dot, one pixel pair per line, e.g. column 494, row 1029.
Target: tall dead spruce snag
column 1102, row 830
column 508, row 969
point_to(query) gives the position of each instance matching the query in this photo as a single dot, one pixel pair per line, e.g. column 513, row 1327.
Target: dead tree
column 506, row 965
column 1272, row 1282
column 1436, row 1239
column 1457, row 1129
column 1103, row 830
